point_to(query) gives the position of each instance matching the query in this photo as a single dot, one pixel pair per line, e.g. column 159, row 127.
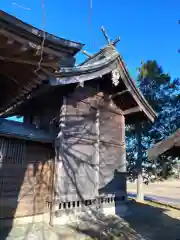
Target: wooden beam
column 108, row 104
column 24, row 48
column 112, row 108
column 32, row 84
column 47, row 72
column 10, row 41
column 86, row 53
column 29, row 62
column 24, row 92
column 50, row 57
column 37, row 80
column 116, row 41
column 31, row 44
column 9, row 77
column 42, row 75
column 27, row 87
column 132, row 110
column 105, row 35
column 119, row 93
column 109, row 107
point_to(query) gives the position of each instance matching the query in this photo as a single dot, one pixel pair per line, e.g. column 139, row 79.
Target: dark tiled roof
column 28, row 29
column 14, row 129
column 106, row 60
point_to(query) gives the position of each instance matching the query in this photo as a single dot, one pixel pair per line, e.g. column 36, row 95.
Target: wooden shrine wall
column 92, row 149
column 25, row 177
column 77, row 174
column 112, row 165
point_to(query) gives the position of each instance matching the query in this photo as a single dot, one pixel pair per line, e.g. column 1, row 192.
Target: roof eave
column 141, row 101
column 21, row 131
column 99, row 67
column 164, row 145
column 30, row 30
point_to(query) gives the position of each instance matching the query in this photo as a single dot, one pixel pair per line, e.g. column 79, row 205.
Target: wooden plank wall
column 81, row 173
column 76, row 177
column 25, row 177
column 112, row 152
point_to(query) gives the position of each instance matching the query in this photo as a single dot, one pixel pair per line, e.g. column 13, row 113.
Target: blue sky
column 148, row 29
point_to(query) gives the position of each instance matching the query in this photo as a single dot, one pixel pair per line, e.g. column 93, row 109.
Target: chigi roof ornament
column 112, row 43
column 115, row 72
column 108, row 39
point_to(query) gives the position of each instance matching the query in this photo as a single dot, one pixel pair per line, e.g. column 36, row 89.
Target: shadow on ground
column 153, row 221
column 101, row 227
column 142, row 221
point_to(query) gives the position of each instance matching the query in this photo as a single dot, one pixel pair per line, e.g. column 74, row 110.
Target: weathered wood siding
column 112, row 163
column 77, row 175
column 92, row 151
column 25, row 177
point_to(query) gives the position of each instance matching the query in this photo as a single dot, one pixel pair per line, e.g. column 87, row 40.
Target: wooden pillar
column 53, row 190
column 122, row 159
column 97, row 145
column 140, row 193
column 123, row 143
column 59, row 143
column 97, row 149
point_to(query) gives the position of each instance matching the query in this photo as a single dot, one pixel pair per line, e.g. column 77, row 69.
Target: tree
column 162, row 93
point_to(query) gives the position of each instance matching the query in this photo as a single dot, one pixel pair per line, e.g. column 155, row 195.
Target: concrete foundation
column 72, row 215
column 77, row 215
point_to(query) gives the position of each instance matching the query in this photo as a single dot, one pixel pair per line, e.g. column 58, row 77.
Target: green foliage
column 163, row 94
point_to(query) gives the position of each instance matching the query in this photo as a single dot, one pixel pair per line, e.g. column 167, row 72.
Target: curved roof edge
column 101, row 63
column 104, row 62
column 29, row 29
column 140, row 99
column 165, row 145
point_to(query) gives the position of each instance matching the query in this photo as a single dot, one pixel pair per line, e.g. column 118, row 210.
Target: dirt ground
column 154, row 222
column 143, row 221
column 167, row 190
column 147, row 221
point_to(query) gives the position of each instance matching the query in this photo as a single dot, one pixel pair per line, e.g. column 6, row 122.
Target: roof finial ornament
column 115, row 41
column 108, row 39
column 86, row 53
column 105, row 35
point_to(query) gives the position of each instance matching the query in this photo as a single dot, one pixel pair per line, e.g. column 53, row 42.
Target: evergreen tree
column 162, row 93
